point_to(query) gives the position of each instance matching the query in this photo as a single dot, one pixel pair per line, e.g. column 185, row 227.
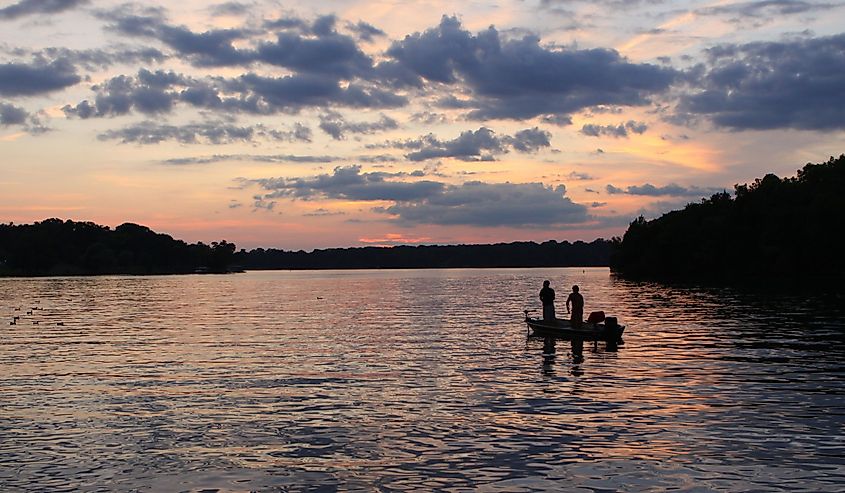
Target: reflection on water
column 412, row 380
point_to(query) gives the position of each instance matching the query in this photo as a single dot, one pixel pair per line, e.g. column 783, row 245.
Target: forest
column 519, row 254
column 774, row 228
column 54, row 247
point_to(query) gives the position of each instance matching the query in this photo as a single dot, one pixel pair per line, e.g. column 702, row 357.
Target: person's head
column 575, row 288
column 546, row 284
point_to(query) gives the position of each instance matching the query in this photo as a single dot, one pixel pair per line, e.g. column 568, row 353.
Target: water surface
column 413, row 380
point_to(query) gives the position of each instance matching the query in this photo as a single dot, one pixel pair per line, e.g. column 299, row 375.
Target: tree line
column 56, row 247
column 787, row 228
column 518, row 254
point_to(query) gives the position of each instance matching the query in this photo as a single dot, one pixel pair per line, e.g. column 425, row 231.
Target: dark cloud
column 765, row 10
column 157, row 92
column 34, row 7
column 767, row 85
column 149, row 132
column 529, row 140
column 12, row 115
column 291, row 93
column 519, row 78
column 348, row 183
column 259, row 158
column 292, row 23
column 378, row 158
column 321, row 212
column 315, row 49
column 559, row 120
column 209, row 48
column 149, row 93
column 552, row 4
column 96, row 59
column 480, row 145
column 30, row 123
column 429, row 118
column 22, row 79
column 617, row 131
column 335, row 125
column 231, row 8
column 365, row 31
column 492, row 204
column 329, row 53
column 669, row 190
column 430, row 202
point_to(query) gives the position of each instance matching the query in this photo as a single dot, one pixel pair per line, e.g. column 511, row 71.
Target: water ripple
column 412, row 380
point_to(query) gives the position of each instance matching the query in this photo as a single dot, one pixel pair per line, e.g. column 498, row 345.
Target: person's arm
column 567, row 303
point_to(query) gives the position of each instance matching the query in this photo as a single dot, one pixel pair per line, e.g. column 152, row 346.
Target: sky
column 302, row 125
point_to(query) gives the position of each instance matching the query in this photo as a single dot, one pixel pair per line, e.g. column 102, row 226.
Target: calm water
column 412, row 380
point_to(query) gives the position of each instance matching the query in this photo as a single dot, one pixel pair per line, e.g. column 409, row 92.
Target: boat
column 609, row 330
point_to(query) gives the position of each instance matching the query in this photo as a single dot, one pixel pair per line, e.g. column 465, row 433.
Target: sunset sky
column 302, row 125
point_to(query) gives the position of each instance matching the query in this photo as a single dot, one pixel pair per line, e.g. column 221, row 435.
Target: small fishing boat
column 559, row 328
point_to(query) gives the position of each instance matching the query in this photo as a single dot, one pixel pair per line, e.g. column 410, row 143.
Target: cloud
column 230, row 8
column 40, row 77
column 575, row 175
column 334, row 124
column 520, row 78
column 210, row 48
column 559, row 120
column 765, row 10
column 669, row 190
column 327, row 53
column 431, row 202
column 315, row 49
column 31, row 123
column 796, row 84
column 96, row 59
column 529, row 140
column 490, row 205
column 617, row 131
column 149, row 132
column 480, row 145
column 34, row 7
column 348, row 183
column 157, row 92
column 321, row 212
column 259, row 158
column 12, row 115
column 365, row 31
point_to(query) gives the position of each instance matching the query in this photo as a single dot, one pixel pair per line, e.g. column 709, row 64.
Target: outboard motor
column 611, row 326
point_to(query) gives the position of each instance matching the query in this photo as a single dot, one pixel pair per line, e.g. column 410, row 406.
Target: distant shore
column 54, row 247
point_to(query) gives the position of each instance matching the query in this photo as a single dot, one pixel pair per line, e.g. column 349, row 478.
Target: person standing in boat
column 576, row 316
column 547, row 296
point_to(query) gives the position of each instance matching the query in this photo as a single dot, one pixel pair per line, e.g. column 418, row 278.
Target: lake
column 410, row 380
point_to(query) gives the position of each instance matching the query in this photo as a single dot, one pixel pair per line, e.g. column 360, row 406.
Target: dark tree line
column 56, row 247
column 520, row 254
column 786, row 228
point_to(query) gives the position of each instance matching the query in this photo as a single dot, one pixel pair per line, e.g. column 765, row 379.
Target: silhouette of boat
column 609, row 331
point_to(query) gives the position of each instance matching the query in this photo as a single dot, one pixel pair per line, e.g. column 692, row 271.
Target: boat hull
column 562, row 329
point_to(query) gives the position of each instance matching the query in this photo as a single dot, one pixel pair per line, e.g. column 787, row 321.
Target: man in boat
column 576, row 316
column 547, row 296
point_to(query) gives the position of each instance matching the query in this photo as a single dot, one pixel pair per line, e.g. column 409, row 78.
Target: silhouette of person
column 577, row 313
column 547, row 296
